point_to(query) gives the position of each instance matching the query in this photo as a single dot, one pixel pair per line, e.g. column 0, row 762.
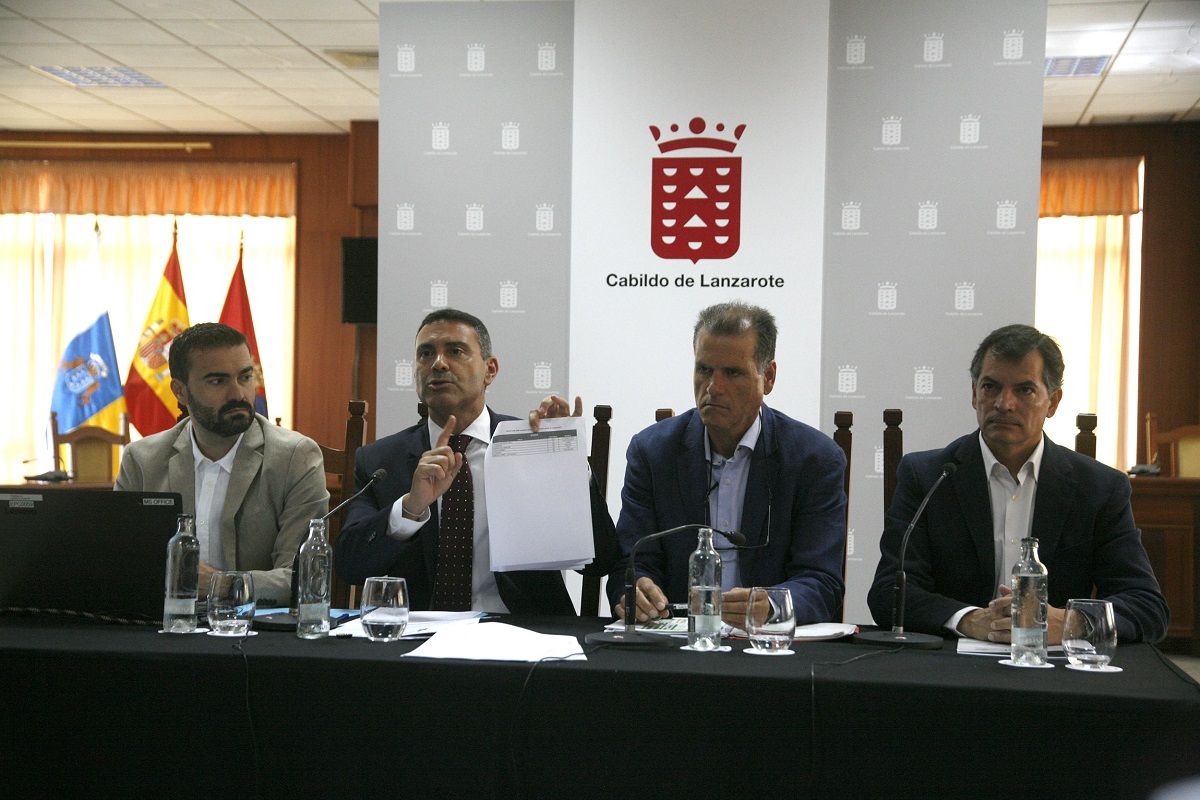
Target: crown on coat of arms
column 697, row 126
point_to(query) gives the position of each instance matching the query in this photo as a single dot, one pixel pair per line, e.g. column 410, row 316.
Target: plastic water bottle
column 704, row 594
column 1029, row 604
column 183, row 574
column 313, row 568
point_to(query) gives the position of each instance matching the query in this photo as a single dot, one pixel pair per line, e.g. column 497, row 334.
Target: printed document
column 538, row 506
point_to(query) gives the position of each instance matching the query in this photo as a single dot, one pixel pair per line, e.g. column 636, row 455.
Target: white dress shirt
column 1012, row 514
column 212, row 484
column 485, row 594
column 727, row 496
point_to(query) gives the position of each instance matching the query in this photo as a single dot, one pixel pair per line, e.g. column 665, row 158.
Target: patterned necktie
column 456, row 538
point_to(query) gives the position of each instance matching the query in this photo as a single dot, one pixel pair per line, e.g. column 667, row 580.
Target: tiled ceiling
column 272, row 66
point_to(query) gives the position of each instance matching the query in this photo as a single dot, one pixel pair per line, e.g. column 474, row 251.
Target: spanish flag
column 152, row 405
column 236, row 314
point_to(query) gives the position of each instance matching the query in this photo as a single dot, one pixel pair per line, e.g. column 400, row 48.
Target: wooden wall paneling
column 323, row 216
column 364, row 196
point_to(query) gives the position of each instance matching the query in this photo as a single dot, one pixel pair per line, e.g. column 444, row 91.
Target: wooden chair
column 663, row 413
column 1177, row 452
column 1085, row 440
column 589, row 597
column 893, row 451
column 339, row 479
column 92, row 449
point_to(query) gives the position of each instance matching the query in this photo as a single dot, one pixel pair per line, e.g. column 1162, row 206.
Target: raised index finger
column 443, row 439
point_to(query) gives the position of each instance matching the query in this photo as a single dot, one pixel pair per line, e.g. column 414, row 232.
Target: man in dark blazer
column 738, row 465
column 1010, row 482
column 393, row 529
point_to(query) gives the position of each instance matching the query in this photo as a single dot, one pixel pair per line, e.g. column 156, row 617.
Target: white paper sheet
column 538, row 507
column 498, row 641
column 976, row 647
column 421, row 624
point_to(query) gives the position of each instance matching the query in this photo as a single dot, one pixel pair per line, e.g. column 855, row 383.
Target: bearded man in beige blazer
column 252, row 486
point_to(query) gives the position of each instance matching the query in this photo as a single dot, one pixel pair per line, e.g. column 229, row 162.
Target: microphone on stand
column 287, row 621
column 630, row 637
column 896, row 637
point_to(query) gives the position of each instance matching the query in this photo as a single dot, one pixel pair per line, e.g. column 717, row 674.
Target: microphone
column 56, row 475
column 630, row 637
column 896, row 637
column 376, row 476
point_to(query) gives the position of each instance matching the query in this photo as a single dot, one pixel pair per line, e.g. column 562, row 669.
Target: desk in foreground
column 125, row 711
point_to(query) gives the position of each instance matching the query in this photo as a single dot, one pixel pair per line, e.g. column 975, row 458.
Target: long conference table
column 120, row 711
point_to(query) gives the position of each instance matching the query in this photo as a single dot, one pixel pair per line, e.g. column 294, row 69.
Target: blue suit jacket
column 796, row 471
column 1081, row 518
column 364, row 549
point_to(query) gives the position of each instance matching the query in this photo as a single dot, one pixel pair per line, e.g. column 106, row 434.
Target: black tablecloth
column 103, row 710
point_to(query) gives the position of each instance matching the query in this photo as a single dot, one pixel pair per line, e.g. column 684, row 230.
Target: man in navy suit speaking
column 737, row 465
column 426, row 521
column 1011, row 482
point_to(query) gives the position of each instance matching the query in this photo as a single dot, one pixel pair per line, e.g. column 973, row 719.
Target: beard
column 217, row 422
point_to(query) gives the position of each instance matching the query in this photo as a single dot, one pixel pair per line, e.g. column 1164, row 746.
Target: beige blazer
column 277, row 485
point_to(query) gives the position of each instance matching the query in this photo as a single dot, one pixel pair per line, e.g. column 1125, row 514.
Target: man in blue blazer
column 1010, row 482
column 393, row 528
column 736, row 465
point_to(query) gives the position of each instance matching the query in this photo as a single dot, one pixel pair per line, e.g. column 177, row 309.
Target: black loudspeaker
column 360, row 279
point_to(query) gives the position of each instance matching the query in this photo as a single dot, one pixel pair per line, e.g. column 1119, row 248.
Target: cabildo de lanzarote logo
column 696, row 200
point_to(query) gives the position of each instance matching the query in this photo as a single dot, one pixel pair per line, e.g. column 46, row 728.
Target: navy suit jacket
column 796, row 472
column 1082, row 520
column 364, row 547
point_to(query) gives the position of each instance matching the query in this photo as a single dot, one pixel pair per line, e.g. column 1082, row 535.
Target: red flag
column 152, row 404
column 236, row 314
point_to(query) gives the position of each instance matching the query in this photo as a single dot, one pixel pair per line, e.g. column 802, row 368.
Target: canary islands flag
column 152, row 404
column 87, row 390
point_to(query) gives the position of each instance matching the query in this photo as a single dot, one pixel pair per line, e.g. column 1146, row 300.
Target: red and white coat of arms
column 696, row 201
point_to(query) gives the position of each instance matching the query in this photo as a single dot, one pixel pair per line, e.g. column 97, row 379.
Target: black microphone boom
column 630, row 636
column 897, row 637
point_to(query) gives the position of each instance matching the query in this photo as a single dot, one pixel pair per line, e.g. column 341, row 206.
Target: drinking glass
column 770, row 621
column 1089, row 635
column 384, row 608
column 231, row 603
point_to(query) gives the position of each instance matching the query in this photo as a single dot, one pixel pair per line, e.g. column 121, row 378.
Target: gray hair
column 736, row 318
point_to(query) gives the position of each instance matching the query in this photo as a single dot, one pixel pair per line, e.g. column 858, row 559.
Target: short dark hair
column 736, row 318
column 1012, row 343
column 454, row 315
column 201, row 336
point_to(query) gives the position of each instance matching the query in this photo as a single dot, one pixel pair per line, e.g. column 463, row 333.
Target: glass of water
column 770, row 621
column 384, row 608
column 230, row 603
column 1089, row 634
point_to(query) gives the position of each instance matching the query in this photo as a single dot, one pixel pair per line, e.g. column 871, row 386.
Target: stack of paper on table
column 538, row 506
column 421, row 624
column 497, row 641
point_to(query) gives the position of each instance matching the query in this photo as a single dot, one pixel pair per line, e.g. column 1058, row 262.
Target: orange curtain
column 1089, row 187
column 137, row 189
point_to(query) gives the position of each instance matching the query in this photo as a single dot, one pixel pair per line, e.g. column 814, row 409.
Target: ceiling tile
column 1092, row 16
column 346, row 113
column 22, row 31
column 192, row 9
column 133, row 124
column 1073, row 103
column 229, row 32
column 69, row 9
column 1143, row 84
column 307, row 78
column 192, row 111
column 100, row 113
column 315, row 97
column 332, row 34
column 1069, row 87
column 1129, row 64
column 250, row 98
column 201, row 78
column 144, row 57
column 203, row 126
column 138, row 98
column 332, row 10
column 44, row 96
column 1163, row 40
column 1113, row 103
column 1170, row 13
column 367, row 77
column 18, row 112
column 247, row 58
column 1083, row 43
column 1066, row 118
column 97, row 32
column 296, row 126
column 292, row 113
column 67, row 55
column 1193, row 115
column 24, row 76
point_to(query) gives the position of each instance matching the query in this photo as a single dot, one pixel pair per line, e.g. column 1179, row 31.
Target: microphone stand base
column 634, row 639
column 915, row 641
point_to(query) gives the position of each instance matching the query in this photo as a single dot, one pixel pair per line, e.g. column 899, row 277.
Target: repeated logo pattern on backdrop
column 475, row 174
column 931, row 195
